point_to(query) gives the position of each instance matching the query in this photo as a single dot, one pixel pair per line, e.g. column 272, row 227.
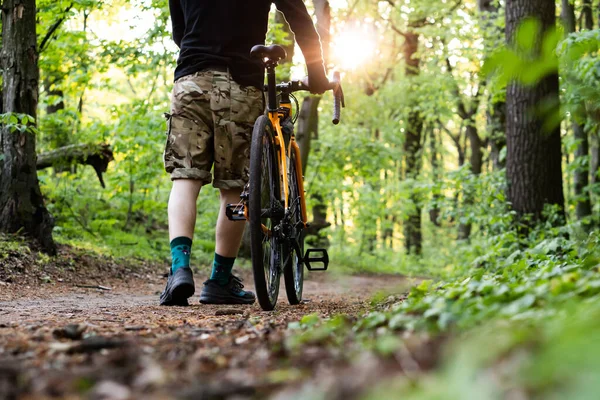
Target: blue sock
column 221, row 269
column 181, row 249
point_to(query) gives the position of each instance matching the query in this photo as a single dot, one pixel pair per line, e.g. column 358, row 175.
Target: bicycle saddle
column 273, row 52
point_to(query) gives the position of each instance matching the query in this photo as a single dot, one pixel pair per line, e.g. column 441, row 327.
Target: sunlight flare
column 354, row 46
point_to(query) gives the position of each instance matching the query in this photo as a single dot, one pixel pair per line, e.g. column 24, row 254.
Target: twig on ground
column 93, row 287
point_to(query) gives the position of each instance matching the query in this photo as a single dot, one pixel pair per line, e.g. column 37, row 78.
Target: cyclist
column 216, row 98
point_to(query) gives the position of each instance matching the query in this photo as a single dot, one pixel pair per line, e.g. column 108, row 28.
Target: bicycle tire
column 263, row 204
column 293, row 268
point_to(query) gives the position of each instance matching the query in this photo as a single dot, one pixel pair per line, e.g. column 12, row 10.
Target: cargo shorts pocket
column 187, row 154
column 246, row 104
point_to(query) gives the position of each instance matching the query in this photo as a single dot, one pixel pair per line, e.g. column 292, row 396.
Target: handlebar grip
column 337, row 98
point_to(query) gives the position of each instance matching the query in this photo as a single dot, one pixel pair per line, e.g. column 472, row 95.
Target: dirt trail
column 126, row 346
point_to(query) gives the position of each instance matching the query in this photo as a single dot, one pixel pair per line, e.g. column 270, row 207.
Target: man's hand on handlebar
column 316, row 86
column 334, row 85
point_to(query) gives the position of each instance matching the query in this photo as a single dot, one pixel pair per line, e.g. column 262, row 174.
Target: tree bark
column 21, row 202
column 533, row 159
column 412, row 149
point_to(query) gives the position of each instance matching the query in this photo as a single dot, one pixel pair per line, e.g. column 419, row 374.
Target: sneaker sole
column 214, row 299
column 183, row 291
column 180, row 294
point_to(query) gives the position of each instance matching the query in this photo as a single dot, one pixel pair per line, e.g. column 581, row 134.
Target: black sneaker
column 180, row 286
column 230, row 293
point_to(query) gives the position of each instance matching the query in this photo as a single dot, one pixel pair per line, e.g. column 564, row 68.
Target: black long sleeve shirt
column 220, row 33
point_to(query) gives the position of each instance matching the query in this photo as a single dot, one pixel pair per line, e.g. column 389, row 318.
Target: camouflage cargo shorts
column 211, row 123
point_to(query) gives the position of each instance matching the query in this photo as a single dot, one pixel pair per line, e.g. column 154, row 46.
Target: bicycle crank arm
column 235, row 212
column 323, row 258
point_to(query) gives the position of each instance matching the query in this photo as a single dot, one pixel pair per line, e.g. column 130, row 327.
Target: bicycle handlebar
column 338, row 98
column 335, row 86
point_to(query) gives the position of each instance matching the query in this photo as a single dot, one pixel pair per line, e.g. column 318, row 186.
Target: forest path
column 132, row 345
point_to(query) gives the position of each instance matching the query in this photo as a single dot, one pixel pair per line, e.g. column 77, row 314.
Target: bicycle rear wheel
column 265, row 212
column 293, row 267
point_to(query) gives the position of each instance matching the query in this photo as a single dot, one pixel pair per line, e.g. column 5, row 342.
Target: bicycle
column 273, row 200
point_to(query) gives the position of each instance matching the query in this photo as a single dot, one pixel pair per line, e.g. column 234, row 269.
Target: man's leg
column 234, row 118
column 182, row 219
column 188, row 158
column 222, row 288
column 182, row 208
column 229, row 233
column 228, row 238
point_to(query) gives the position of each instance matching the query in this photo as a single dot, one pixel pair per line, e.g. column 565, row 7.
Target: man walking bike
column 217, row 96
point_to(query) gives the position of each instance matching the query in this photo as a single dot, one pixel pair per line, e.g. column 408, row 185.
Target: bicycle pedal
column 235, row 212
column 322, row 257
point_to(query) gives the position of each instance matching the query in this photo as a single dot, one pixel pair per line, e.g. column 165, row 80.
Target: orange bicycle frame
column 275, row 117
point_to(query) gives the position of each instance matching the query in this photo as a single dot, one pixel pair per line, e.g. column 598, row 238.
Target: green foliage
column 313, row 331
column 531, row 57
column 11, row 246
column 548, row 358
column 16, row 122
column 580, row 62
column 511, row 281
column 529, row 301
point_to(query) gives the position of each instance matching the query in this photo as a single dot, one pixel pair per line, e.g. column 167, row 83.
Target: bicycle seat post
column 271, row 85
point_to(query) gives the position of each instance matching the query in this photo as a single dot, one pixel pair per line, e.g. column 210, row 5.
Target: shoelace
column 237, row 282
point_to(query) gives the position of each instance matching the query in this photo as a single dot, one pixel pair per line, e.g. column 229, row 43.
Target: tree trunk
column 568, row 15
column 587, row 15
column 533, row 159
column 21, row 202
column 412, row 150
column 496, row 112
column 476, row 145
column 583, row 205
column 308, row 126
column 434, row 213
column 476, row 161
column 595, row 156
column 496, row 120
column 412, row 143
